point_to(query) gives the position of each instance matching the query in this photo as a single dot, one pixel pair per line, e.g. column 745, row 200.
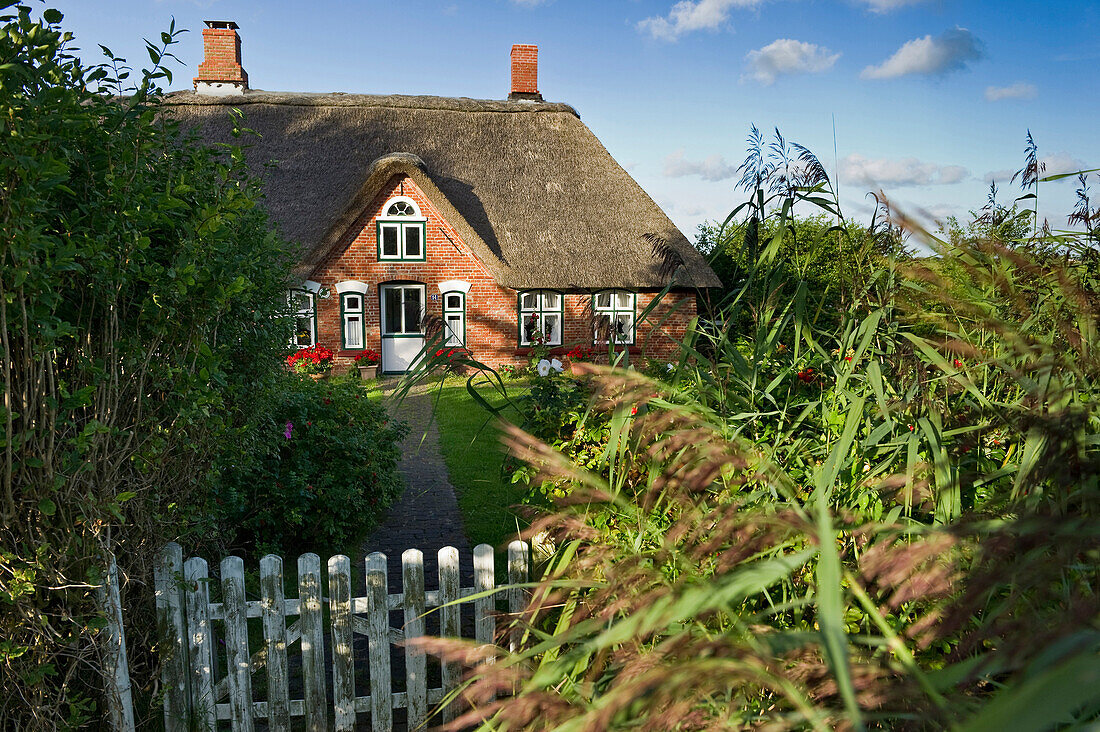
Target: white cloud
column 1054, row 164
column 950, row 51
column 692, row 15
column 1019, row 90
column 712, row 168
column 855, row 169
column 885, row 6
column 786, row 56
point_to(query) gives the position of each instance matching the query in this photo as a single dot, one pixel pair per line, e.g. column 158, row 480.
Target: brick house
column 484, row 223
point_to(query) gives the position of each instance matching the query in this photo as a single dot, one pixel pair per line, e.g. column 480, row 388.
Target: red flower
column 806, row 375
column 847, row 358
column 958, row 364
column 633, row 410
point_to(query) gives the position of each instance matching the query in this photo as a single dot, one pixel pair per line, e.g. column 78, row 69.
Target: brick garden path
column 426, row 517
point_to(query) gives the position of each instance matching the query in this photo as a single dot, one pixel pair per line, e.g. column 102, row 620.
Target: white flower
column 556, row 365
column 670, row 366
column 543, row 367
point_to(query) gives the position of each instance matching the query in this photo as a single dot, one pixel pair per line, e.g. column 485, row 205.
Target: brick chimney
column 220, row 73
column 525, row 72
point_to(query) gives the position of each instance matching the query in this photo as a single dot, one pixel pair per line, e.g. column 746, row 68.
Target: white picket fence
column 196, row 696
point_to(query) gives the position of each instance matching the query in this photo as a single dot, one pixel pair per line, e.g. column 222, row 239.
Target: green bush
column 314, row 471
column 882, row 520
column 138, row 280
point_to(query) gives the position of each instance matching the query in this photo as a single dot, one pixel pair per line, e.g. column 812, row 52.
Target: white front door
column 402, row 327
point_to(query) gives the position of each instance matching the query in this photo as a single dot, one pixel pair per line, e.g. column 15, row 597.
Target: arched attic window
column 402, row 231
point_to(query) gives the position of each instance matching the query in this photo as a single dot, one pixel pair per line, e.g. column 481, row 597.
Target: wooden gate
column 209, row 670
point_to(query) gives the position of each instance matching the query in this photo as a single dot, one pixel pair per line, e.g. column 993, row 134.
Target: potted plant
column 577, row 355
column 367, row 361
column 312, row 361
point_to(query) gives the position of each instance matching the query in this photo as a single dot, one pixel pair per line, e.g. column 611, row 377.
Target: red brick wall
column 222, row 56
column 491, row 327
column 525, row 69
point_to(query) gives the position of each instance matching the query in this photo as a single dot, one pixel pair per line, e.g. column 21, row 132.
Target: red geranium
column 368, row 358
column 310, row 360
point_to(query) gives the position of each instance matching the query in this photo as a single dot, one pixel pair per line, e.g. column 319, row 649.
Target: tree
column 138, row 280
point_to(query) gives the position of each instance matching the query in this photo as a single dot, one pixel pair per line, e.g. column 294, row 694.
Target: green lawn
column 470, row 443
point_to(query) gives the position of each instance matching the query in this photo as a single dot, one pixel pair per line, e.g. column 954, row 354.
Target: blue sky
column 930, row 97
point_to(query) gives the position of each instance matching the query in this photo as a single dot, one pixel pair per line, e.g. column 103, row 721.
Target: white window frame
column 613, row 310
column 297, row 313
column 350, row 315
column 537, row 308
column 402, row 224
column 455, row 338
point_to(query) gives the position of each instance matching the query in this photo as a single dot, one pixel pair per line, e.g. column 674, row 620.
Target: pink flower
column 289, row 430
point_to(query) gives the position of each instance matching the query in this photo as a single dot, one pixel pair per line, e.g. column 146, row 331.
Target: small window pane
column 624, row 328
column 552, row 329
column 389, row 241
column 603, row 300
column 529, row 301
column 412, row 241
column 400, row 208
column 624, row 300
column 353, row 302
column 603, row 328
column 530, row 325
column 303, row 331
column 454, row 302
column 353, row 331
column 551, row 301
column 454, row 330
column 303, row 301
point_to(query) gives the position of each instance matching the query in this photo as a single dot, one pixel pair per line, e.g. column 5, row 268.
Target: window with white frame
column 303, row 310
column 614, row 316
column 402, row 231
column 351, row 313
column 454, row 318
column 540, row 317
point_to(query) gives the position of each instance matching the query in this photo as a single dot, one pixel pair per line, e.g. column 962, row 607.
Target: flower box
column 368, row 371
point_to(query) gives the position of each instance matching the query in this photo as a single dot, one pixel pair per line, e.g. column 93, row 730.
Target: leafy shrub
column 138, row 277
column 315, row 471
column 884, row 519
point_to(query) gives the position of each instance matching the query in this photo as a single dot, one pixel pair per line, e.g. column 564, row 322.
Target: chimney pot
column 525, row 73
column 221, row 73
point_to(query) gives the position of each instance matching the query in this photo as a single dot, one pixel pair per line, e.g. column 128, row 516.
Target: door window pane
column 353, row 302
column 413, row 309
column 392, row 304
column 454, row 302
column 454, row 330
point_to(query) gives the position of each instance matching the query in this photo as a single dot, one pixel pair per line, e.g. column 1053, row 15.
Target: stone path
column 426, row 517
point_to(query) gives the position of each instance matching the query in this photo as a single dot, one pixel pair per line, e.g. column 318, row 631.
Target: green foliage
column 138, row 279
column 884, row 520
column 323, row 486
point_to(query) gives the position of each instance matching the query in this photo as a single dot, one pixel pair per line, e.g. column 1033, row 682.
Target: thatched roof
column 526, row 184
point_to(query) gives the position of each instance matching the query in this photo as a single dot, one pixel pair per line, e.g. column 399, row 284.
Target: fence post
column 167, row 578
column 381, row 709
column 343, row 663
column 449, row 619
column 416, row 665
column 484, row 607
column 517, row 596
column 313, row 641
column 238, row 660
column 273, row 607
column 199, row 651
column 119, row 702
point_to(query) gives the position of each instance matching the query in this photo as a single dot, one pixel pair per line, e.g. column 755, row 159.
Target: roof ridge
column 345, row 99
